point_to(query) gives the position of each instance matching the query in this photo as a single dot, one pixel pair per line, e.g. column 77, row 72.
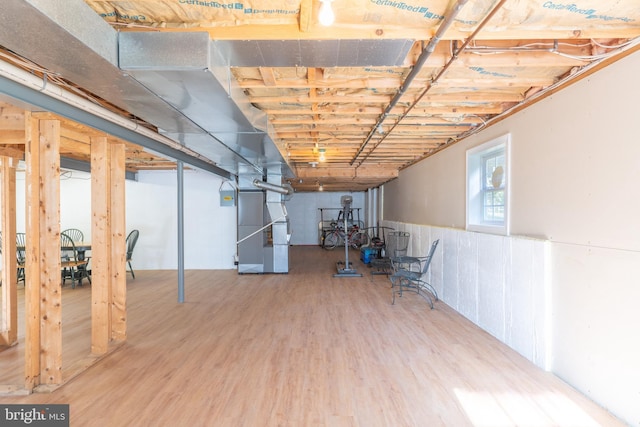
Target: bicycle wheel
column 359, row 239
column 331, row 240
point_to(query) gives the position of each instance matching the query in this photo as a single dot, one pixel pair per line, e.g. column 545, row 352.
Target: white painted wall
column 210, row 229
column 304, row 213
column 575, row 170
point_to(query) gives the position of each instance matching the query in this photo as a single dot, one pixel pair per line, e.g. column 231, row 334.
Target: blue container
column 367, row 254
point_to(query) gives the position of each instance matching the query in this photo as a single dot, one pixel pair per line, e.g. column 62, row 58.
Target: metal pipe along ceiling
column 438, row 76
column 419, row 63
column 272, row 187
column 20, row 84
column 426, row 53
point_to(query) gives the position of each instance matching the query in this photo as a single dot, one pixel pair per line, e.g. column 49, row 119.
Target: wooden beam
column 9, row 304
column 118, row 244
column 268, row 77
column 376, row 172
column 326, row 99
column 13, row 152
column 346, row 31
column 324, row 173
column 32, row 262
column 42, row 281
column 100, row 246
column 11, row 118
column 306, row 15
column 51, row 319
column 13, row 136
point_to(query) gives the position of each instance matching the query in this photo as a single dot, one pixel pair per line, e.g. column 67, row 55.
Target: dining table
column 81, row 250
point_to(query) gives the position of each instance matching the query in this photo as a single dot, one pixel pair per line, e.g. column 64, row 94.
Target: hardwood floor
column 301, row 349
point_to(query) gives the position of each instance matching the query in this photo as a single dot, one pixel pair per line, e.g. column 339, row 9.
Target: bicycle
column 356, row 238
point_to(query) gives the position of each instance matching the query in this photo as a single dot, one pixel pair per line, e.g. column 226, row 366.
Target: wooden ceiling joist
column 371, row 112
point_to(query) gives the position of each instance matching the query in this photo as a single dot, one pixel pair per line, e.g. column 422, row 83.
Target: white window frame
column 475, row 191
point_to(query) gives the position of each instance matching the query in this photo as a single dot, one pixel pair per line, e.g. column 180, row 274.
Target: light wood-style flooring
column 300, row 349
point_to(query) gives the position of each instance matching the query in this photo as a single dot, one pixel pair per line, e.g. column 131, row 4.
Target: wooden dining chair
column 75, row 234
column 71, row 265
column 21, row 255
column 132, row 239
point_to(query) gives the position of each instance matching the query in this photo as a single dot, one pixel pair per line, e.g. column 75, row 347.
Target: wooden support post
column 118, row 244
column 32, row 220
column 9, row 314
column 101, row 297
column 43, row 296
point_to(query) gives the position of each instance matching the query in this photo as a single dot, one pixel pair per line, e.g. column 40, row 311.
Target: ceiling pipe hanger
column 419, row 63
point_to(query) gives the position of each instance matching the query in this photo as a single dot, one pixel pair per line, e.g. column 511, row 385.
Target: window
column 488, row 186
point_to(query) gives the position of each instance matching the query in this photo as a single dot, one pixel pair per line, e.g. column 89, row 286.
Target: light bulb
column 326, row 15
column 320, row 188
column 322, row 158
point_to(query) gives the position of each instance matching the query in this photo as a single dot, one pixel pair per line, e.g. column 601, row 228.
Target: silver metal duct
column 280, row 229
column 179, row 82
column 272, row 187
column 314, row 53
column 186, row 72
column 70, row 39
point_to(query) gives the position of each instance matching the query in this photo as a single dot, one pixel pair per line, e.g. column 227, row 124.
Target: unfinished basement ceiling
column 389, row 83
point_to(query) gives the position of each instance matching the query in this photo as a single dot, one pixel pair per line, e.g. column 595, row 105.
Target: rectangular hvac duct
column 184, row 70
column 314, row 53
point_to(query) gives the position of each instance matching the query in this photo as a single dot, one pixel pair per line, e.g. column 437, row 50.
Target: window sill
column 490, row 229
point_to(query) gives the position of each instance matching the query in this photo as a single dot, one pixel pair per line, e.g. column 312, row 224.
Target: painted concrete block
column 498, row 282
column 491, row 280
column 424, row 243
column 449, row 249
column 542, row 304
column 520, row 329
column 437, row 266
column 468, row 275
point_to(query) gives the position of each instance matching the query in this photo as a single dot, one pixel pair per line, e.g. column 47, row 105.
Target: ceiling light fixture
column 322, row 158
column 326, row 15
column 320, row 188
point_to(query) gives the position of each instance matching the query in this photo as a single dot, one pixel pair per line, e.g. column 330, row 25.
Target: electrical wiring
column 48, row 75
column 621, row 45
column 492, row 50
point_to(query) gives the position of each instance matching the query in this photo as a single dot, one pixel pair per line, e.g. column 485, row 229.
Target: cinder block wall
column 497, row 282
